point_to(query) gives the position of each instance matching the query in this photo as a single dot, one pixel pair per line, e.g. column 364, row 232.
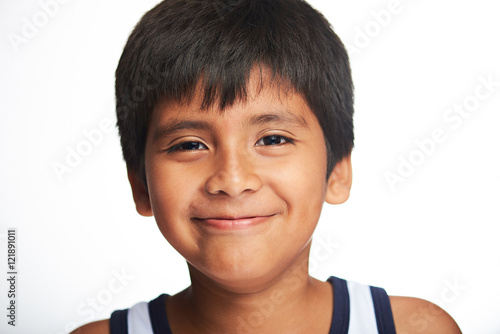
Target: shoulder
column 97, row 327
column 414, row 315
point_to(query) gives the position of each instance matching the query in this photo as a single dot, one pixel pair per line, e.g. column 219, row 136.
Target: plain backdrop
column 423, row 215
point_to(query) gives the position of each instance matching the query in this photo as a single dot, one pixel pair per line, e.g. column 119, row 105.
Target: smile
column 230, row 223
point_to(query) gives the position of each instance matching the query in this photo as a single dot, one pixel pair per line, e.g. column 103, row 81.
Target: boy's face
column 238, row 193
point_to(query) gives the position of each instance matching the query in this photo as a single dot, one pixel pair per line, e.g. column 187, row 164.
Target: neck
column 209, row 307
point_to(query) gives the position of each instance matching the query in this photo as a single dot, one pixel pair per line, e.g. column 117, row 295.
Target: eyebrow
column 177, row 125
column 280, row 117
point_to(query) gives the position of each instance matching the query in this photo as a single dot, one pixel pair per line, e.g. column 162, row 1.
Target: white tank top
column 358, row 309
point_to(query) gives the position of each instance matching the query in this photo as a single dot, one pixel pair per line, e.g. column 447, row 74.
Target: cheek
column 170, row 185
column 302, row 184
column 171, row 194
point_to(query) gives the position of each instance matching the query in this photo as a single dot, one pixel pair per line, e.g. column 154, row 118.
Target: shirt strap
column 118, row 322
column 383, row 311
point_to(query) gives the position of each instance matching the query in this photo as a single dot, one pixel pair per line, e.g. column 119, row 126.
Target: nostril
column 232, row 184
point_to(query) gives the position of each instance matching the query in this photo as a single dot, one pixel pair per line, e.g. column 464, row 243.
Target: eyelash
column 179, row 147
column 283, row 140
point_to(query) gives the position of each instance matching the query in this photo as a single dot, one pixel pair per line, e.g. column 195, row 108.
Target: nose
column 233, row 174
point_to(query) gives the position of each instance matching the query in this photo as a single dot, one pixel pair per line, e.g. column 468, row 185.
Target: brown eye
column 273, row 140
column 187, row 146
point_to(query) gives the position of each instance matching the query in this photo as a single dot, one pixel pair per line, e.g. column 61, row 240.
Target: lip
column 229, row 223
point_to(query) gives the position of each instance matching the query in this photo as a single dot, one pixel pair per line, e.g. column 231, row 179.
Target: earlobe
column 140, row 193
column 339, row 182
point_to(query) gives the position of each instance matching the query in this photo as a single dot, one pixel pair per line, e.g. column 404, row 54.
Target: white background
column 83, row 251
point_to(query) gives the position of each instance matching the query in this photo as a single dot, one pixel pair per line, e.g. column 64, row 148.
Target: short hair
column 180, row 43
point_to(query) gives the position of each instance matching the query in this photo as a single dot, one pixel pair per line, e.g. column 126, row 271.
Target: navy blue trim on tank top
column 341, row 306
column 118, row 322
column 383, row 311
column 339, row 324
column 158, row 314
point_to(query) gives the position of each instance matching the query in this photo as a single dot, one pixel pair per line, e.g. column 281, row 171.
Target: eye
column 187, row 146
column 273, row 140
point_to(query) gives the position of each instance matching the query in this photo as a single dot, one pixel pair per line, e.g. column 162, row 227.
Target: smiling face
column 238, row 193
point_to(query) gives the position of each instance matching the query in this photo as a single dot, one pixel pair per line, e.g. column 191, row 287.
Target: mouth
column 232, row 223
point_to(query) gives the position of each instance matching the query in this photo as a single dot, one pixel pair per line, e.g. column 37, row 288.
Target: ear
column 339, row 182
column 140, row 193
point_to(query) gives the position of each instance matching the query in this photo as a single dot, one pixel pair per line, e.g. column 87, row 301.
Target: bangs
column 222, row 62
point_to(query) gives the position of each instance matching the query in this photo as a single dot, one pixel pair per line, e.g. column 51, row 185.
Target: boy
column 236, row 126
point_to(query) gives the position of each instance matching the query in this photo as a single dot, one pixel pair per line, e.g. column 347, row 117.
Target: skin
column 238, row 194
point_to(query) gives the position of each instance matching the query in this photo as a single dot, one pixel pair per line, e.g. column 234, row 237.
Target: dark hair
column 180, row 42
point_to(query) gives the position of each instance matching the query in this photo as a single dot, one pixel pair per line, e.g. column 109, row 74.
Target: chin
column 238, row 276
column 241, row 283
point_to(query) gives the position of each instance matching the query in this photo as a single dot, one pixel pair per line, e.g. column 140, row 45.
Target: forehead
column 264, row 98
